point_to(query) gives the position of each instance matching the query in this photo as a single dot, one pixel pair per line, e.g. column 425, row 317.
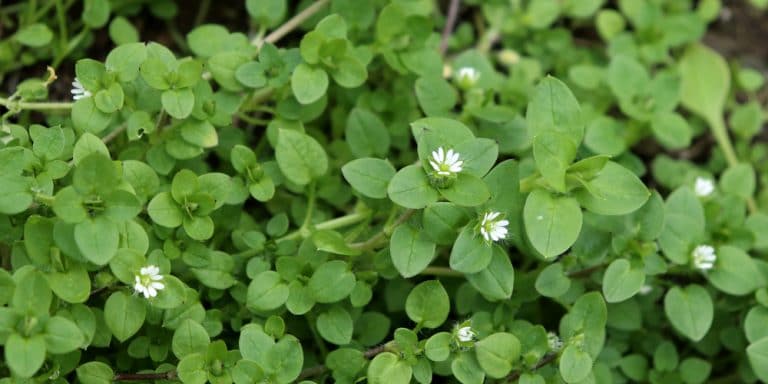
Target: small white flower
column 467, row 77
column 78, row 91
column 446, row 163
column 465, row 334
column 646, row 289
column 148, row 281
column 555, row 344
column 704, row 257
column 491, row 228
column 703, row 186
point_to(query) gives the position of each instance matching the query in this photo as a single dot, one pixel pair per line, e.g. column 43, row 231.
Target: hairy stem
column 450, row 22
column 544, row 361
column 44, row 106
column 170, row 375
column 319, row 369
column 384, row 233
column 291, row 24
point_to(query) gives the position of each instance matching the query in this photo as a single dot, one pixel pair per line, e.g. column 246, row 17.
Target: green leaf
column 497, row 354
column 192, row 369
column 207, row 40
column 266, row 292
column 553, row 153
column 32, row 294
column 254, row 344
column 621, row 281
column 366, row 134
column 97, row 239
column 95, row 13
column 125, row 60
column 87, row 117
column 683, row 225
column 24, row 356
column 552, row 223
column 268, row 13
column 223, row 66
column 165, row 211
column 34, row 35
column 739, row 180
column 438, row 346
column 735, row 272
column 435, row 95
column 428, row 304
column 15, row 194
column 614, row 191
column 671, row 130
column 49, row 143
column 467, row 191
column 124, row 314
column 690, row 310
column 95, row 372
column 62, row 335
column 199, row 132
column 552, row 281
column 199, row 228
column 178, row 102
column 300, row 157
column 349, row 72
column 333, row 242
column 442, row 221
column 286, row 358
column 479, row 155
column 470, row 253
column 467, row 370
column 155, row 72
column 411, row 252
column 189, row 337
column 411, row 188
column 38, row 239
column 575, row 364
column 331, row 282
column 87, row 145
column 705, row 82
column 369, row 176
column 308, row 83
column 72, row 285
column 335, row 325
column 386, row 368
column 553, row 108
column 121, row 31
column 497, row 280
column 757, row 353
column 95, row 174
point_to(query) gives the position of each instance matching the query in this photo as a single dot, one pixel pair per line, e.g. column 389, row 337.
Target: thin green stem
column 311, row 323
column 43, row 106
column 379, row 238
column 339, row 222
column 114, row 134
column 202, row 11
column 62, row 20
column 291, row 24
column 45, row 199
column 251, row 120
column 720, row 132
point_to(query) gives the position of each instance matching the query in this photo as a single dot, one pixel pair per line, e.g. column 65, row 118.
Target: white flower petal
column 434, row 165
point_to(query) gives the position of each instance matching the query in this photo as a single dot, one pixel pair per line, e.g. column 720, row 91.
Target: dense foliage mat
column 532, row 191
